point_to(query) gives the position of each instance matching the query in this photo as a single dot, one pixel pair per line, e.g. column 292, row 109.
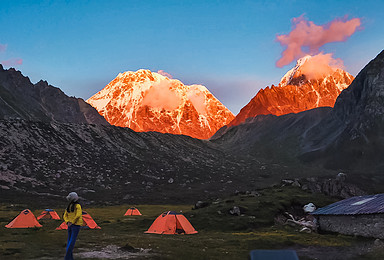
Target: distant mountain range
column 46, row 150
column 20, row 99
column 147, row 101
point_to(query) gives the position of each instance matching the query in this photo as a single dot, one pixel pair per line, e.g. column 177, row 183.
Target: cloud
column 197, row 98
column 3, row 47
column 161, row 96
column 12, row 62
column 307, row 37
column 166, row 74
column 319, row 65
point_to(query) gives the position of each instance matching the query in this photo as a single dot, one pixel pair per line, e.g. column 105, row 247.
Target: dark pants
column 73, row 231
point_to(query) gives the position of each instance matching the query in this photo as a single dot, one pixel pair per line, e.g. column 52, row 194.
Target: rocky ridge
column 20, row 99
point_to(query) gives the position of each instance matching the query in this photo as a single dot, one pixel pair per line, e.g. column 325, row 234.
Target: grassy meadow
column 221, row 235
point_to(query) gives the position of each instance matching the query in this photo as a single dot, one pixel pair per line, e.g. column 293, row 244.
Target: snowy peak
column 286, row 79
column 147, row 101
column 311, row 68
column 315, row 81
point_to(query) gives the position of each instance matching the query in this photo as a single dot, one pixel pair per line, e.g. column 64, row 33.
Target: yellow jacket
column 75, row 217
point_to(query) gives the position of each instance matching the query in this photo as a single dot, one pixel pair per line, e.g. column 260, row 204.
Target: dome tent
column 88, row 222
column 132, row 212
column 171, row 223
column 48, row 214
column 25, row 219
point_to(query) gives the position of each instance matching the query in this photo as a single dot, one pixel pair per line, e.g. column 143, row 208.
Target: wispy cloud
column 307, row 37
column 12, row 62
column 3, row 47
column 162, row 72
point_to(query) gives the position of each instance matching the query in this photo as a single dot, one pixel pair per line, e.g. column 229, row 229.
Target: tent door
column 179, row 228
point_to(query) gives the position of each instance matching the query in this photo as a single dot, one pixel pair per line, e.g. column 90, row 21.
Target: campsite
column 220, row 234
column 202, row 130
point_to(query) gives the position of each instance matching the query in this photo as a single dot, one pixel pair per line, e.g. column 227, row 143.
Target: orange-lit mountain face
column 308, row 85
column 147, row 101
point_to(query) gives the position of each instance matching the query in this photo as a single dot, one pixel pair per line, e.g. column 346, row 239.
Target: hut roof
column 369, row 204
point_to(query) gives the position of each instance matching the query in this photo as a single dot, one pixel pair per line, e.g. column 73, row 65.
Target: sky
column 231, row 47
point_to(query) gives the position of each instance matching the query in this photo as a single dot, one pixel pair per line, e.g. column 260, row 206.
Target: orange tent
column 25, row 219
column 88, row 222
column 48, row 214
column 132, row 212
column 171, row 223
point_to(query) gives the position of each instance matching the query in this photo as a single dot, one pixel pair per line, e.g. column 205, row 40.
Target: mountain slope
column 21, row 99
column 353, row 134
column 147, row 101
column 299, row 90
column 116, row 164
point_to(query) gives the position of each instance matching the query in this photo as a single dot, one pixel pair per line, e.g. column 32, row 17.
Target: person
column 74, row 218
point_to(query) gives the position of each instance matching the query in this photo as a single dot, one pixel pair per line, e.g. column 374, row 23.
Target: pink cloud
column 310, row 37
column 319, row 65
column 3, row 47
column 12, row 62
column 166, row 74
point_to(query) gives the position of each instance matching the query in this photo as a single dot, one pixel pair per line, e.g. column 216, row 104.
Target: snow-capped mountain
column 147, row 101
column 306, row 86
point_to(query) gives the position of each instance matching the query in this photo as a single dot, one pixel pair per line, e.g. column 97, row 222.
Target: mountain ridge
column 21, row 99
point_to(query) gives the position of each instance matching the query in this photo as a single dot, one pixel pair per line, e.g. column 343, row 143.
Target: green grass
column 221, row 236
column 259, row 211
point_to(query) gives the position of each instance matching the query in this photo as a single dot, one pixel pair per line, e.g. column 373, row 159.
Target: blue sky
column 228, row 46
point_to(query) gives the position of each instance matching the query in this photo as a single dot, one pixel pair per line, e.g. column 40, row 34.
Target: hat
column 72, row 196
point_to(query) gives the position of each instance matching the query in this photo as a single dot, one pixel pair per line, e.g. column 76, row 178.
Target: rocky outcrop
column 335, row 187
column 147, row 101
column 20, row 99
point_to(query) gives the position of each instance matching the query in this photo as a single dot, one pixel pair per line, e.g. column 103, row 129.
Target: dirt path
column 114, row 252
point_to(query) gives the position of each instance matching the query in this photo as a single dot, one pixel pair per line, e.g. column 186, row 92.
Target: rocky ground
column 117, row 164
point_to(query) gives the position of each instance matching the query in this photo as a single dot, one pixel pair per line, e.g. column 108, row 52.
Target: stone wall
column 371, row 225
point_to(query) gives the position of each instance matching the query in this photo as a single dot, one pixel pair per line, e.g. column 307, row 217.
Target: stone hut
column 360, row 215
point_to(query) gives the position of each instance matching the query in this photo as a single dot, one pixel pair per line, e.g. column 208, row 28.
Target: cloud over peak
column 321, row 65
